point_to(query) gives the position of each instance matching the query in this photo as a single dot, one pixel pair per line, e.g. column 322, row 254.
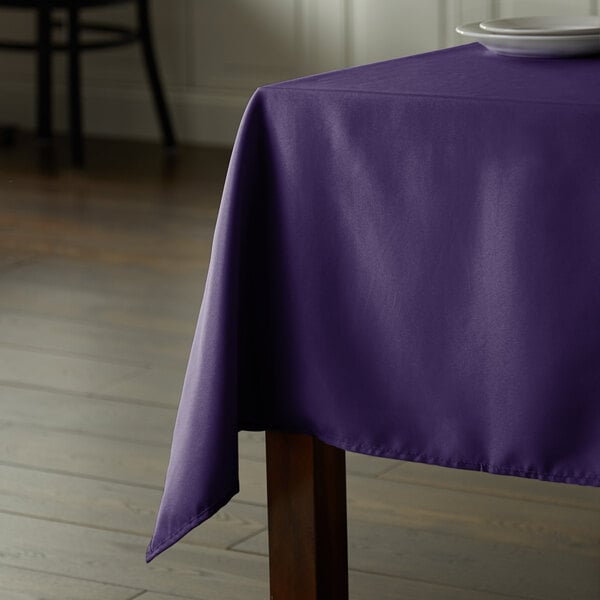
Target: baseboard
column 200, row 117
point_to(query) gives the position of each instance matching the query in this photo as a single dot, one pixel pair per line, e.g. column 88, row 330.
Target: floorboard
column 459, row 561
column 113, row 506
column 27, row 584
column 94, row 341
column 520, row 488
column 116, row 558
column 74, row 413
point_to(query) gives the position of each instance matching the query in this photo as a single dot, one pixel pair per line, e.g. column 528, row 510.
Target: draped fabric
column 406, row 264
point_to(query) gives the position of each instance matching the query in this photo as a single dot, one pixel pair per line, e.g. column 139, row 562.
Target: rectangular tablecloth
column 406, row 264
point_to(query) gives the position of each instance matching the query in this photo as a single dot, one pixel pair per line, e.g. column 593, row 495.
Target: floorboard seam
column 232, row 547
column 492, row 495
column 138, row 595
column 80, row 432
column 69, row 354
column 28, row 569
column 81, row 475
column 84, row 394
column 442, row 585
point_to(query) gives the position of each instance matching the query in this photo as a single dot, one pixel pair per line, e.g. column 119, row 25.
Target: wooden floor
column 101, row 277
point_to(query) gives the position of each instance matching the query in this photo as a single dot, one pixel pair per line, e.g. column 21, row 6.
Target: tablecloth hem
column 153, row 551
column 588, row 479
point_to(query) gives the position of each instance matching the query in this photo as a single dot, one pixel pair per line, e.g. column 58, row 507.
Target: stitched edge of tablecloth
column 589, row 479
column 153, row 551
column 557, row 477
column 345, row 444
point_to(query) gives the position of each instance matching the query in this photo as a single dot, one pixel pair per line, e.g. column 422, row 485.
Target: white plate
column 533, row 46
column 544, row 25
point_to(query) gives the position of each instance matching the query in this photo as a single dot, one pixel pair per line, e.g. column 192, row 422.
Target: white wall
column 214, row 53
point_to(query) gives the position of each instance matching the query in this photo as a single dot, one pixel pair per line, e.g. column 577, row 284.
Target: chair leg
column 75, row 113
column 160, row 104
column 44, row 72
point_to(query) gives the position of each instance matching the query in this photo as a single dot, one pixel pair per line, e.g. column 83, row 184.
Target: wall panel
column 380, row 29
column 236, row 43
column 513, row 8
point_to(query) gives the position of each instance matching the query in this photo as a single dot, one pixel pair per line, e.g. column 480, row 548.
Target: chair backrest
column 59, row 3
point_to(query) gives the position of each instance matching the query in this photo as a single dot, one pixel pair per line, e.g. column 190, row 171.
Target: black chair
column 111, row 36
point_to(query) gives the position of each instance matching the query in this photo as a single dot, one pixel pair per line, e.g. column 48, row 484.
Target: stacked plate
column 539, row 37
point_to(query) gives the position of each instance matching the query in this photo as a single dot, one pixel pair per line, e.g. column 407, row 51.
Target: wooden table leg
column 306, row 489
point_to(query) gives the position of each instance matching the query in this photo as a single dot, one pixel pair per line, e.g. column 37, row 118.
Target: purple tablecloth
column 406, row 264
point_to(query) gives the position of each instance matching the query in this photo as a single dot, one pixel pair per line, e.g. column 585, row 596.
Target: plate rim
column 474, row 30
column 590, row 30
